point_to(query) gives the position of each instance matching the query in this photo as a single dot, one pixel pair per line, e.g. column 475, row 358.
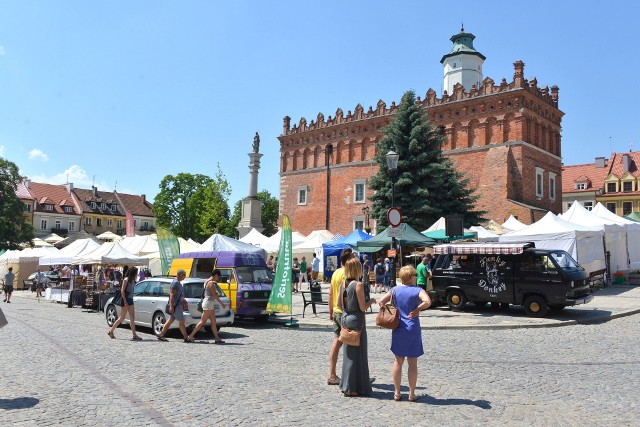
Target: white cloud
column 37, row 154
column 74, row 174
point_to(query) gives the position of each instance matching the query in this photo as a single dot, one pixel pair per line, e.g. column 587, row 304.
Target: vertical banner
column 130, row 224
column 169, row 248
column 280, row 299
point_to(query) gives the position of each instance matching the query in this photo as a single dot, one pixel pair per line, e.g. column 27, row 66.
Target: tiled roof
column 137, row 205
column 107, row 197
column 52, row 194
column 23, row 192
column 581, row 173
column 617, row 167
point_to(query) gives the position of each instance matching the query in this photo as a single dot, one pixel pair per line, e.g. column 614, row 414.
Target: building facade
column 614, row 182
column 56, row 209
column 505, row 138
column 101, row 211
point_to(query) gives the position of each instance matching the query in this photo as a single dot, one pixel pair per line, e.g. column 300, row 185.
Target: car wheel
column 456, row 299
column 112, row 314
column 535, row 306
column 158, row 322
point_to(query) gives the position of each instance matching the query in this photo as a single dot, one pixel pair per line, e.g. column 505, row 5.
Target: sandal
column 218, row 342
column 333, row 381
column 161, row 338
column 397, row 397
column 113, row 337
column 412, row 398
column 136, row 338
column 350, row 394
column 190, row 340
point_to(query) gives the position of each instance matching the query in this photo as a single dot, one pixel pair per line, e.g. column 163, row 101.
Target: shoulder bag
column 348, row 335
column 199, row 305
column 117, row 299
column 388, row 317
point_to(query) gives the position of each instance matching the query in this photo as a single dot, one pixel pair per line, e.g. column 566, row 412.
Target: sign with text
column 391, row 253
column 394, row 232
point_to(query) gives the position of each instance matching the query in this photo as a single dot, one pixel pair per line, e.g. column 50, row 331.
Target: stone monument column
column 252, row 207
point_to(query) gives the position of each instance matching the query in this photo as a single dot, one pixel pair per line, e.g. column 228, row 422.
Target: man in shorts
column 177, row 305
column 315, row 267
column 40, row 278
column 335, row 314
column 8, row 284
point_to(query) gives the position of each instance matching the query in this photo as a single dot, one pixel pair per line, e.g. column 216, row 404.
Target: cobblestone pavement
column 60, row 368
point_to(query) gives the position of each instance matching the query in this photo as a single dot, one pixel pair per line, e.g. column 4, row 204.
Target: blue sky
column 128, row 92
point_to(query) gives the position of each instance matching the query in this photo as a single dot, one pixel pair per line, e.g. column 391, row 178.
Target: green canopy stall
column 409, row 237
column 441, row 236
column 634, row 216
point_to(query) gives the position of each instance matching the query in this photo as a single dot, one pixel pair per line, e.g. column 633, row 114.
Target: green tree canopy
column 427, row 185
column 194, row 205
column 14, row 229
column 269, row 213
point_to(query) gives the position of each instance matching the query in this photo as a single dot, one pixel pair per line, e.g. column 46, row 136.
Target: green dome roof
column 462, row 43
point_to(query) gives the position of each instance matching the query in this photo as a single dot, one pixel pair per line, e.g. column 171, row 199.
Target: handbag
column 388, row 317
column 117, row 299
column 350, row 336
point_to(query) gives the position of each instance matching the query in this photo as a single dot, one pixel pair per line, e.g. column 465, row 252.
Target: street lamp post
column 392, row 165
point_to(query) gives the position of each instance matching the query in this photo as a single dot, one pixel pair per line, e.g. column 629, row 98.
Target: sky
column 120, row 94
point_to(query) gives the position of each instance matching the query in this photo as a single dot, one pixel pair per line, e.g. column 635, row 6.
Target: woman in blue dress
column 406, row 339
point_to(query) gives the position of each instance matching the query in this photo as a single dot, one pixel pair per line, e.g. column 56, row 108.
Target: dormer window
column 68, row 209
column 627, row 186
column 48, row 207
column 93, row 205
column 581, row 185
column 612, row 187
column 114, row 207
column 103, row 206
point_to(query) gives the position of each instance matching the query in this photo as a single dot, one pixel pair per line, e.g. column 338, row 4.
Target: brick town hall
column 505, row 138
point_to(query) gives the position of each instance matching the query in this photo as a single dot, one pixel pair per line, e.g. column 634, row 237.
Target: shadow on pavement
column 425, row 398
column 19, row 403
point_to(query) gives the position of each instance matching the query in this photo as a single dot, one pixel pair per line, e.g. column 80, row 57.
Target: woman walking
column 209, row 308
column 355, row 362
column 406, row 339
column 127, row 304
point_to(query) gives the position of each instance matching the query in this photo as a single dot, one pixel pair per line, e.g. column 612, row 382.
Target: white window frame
column 103, row 206
column 303, row 190
column 48, row 207
column 356, row 183
column 98, row 222
column 93, row 205
column 58, row 224
column 72, row 226
column 27, row 207
column 588, row 207
column 358, row 219
column 109, row 223
column 87, row 221
column 43, row 224
column 539, row 183
column 552, row 186
column 119, row 223
column 581, row 186
column 114, row 207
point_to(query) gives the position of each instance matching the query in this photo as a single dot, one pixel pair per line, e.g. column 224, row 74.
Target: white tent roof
column 218, row 242
column 110, row 253
column 578, row 214
column 254, row 237
column 513, row 224
column 53, row 238
column 484, row 235
column 605, row 213
column 65, row 255
column 438, row 225
column 107, row 235
column 140, row 245
column 312, row 243
column 187, row 245
column 37, row 242
column 28, row 254
column 326, row 234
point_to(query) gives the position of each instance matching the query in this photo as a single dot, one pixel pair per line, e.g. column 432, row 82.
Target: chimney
column 600, row 162
column 27, row 183
column 144, row 198
column 95, row 190
column 626, row 161
column 69, row 186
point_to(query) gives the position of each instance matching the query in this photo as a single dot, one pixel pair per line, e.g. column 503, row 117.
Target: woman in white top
column 209, row 308
column 128, row 285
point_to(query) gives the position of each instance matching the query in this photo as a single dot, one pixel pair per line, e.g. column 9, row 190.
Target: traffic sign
column 394, row 232
column 394, row 216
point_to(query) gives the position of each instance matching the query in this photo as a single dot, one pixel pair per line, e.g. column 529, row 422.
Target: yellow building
column 101, row 211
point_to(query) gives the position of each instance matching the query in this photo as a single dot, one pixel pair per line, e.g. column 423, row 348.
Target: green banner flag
column 169, row 248
column 280, row 299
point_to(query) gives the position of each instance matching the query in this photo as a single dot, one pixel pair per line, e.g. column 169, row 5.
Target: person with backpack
column 380, row 271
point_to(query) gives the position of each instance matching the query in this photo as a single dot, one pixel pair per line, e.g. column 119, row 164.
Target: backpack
column 380, row 270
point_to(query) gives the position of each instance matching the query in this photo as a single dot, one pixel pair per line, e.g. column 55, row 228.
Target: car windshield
column 254, row 274
column 564, row 260
column 195, row 290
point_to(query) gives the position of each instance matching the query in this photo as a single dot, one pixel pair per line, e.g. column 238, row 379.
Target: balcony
column 147, row 228
column 60, row 231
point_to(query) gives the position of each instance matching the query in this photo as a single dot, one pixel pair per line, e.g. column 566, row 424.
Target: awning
column 483, row 248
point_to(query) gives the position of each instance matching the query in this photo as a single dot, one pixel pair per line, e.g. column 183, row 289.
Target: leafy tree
column 427, row 185
column 14, row 230
column 269, row 213
column 193, row 205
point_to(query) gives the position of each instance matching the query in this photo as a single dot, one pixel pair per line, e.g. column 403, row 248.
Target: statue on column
column 256, row 143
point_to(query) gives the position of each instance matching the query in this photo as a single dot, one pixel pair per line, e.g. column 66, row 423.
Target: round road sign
column 394, row 216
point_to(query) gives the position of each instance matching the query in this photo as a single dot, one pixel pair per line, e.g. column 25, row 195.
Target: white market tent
column 483, row 234
column 111, row 253
column 187, row 245
column 513, row 224
column 218, row 242
column 107, row 235
column 615, row 235
column 140, row 245
column 438, row 225
column 496, row 228
column 254, row 237
column 313, row 243
column 66, row 254
column 583, row 243
column 632, row 228
column 24, row 262
column 39, row 243
column 53, row 238
column 274, row 241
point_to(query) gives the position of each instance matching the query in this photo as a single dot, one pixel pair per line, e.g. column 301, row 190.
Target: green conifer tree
column 427, row 186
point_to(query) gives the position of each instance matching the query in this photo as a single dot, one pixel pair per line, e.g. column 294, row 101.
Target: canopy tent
column 274, row 241
column 438, row 225
column 313, row 242
column 218, row 242
column 633, row 216
column 513, row 224
column 187, row 245
column 632, row 228
column 615, row 235
column 24, row 262
column 108, row 235
column 409, row 237
column 331, row 250
column 66, row 255
column 441, row 235
column 496, row 228
column 53, row 238
column 583, row 243
column 76, row 236
column 254, row 237
column 140, row 245
column 39, row 243
column 110, row 253
column 326, row 235
column 484, row 235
